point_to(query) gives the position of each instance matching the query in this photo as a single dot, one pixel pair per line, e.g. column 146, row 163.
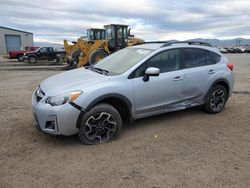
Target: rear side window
column 50, row 50
column 216, row 57
column 209, row 60
column 192, row 57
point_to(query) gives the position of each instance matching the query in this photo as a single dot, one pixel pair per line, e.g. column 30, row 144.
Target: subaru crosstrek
column 133, row 83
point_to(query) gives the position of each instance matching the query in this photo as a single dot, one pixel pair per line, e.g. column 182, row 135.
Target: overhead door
column 13, row 42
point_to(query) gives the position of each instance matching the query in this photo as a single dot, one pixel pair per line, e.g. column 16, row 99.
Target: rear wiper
column 99, row 70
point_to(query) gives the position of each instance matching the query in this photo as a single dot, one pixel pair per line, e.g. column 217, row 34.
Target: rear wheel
column 97, row 55
column 32, row 59
column 101, row 124
column 216, row 99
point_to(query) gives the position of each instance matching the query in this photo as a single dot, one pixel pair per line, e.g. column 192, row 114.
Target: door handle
column 211, row 71
column 177, row 78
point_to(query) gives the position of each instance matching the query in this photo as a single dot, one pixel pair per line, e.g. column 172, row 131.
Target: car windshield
column 122, row 60
column 38, row 49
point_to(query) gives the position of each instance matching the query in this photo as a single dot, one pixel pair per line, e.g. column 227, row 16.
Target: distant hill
column 48, row 44
column 217, row 42
column 229, row 42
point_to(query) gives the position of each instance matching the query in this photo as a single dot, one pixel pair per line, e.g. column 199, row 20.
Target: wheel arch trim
column 107, row 96
column 101, row 98
column 217, row 81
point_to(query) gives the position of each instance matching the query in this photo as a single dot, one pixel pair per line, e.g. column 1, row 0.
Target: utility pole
column 238, row 42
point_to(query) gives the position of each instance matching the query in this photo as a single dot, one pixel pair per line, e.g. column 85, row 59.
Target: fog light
column 51, row 125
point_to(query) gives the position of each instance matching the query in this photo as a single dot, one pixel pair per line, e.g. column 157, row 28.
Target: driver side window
column 166, row 61
column 42, row 50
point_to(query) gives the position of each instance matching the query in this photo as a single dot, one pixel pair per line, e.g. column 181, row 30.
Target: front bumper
column 55, row 120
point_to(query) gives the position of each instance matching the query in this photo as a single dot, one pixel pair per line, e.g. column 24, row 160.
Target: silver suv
column 133, row 83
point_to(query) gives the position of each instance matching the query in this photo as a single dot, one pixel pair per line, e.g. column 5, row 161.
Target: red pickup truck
column 18, row 54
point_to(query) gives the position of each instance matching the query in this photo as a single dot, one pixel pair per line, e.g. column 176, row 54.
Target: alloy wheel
column 100, row 127
column 217, row 100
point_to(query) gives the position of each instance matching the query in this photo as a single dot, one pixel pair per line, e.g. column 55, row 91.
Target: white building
column 13, row 39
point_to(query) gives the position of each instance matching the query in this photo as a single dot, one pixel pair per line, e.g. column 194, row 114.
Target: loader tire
column 97, row 55
column 75, row 59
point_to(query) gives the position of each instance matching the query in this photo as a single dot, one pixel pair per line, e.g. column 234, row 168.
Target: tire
column 216, row 99
column 59, row 59
column 96, row 55
column 20, row 58
column 73, row 63
column 101, row 124
column 32, row 59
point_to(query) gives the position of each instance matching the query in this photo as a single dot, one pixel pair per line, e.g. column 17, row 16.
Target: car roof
column 156, row 46
column 150, row 46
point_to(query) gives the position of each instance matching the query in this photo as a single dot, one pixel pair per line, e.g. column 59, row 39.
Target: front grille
column 38, row 98
column 39, row 94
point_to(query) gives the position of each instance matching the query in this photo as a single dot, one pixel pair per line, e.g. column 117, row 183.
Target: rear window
column 216, row 57
column 209, row 60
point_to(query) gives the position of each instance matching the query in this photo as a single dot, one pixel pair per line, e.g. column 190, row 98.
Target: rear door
column 198, row 68
column 161, row 93
column 51, row 53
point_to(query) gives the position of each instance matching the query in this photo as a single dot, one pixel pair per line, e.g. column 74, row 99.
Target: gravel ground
column 180, row 149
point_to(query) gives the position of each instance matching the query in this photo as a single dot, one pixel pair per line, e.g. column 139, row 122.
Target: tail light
column 230, row 66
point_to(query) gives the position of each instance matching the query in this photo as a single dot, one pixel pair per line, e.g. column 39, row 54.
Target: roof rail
column 187, row 42
column 150, row 42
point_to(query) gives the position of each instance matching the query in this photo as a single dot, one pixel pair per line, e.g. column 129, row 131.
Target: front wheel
column 102, row 123
column 216, row 99
column 32, row 59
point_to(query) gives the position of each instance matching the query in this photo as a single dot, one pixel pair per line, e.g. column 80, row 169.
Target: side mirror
column 151, row 71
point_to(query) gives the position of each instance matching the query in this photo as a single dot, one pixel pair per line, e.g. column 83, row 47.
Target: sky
column 55, row 20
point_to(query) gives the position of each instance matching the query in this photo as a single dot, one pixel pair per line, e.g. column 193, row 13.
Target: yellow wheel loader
column 98, row 44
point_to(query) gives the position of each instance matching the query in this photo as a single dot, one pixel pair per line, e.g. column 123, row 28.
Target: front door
column 42, row 54
column 161, row 93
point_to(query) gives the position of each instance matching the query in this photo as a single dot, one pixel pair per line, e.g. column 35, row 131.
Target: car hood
column 73, row 80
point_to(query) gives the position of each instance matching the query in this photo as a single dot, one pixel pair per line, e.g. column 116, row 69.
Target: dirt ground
column 180, row 149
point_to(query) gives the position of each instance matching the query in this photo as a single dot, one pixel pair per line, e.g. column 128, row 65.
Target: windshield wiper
column 99, row 70
column 102, row 70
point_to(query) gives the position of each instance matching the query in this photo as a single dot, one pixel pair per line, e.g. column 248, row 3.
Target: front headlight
column 63, row 98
